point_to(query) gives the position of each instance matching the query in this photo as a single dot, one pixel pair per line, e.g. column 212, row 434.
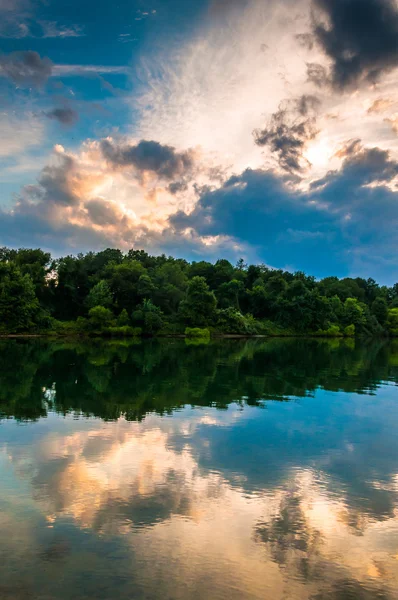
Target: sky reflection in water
column 235, row 470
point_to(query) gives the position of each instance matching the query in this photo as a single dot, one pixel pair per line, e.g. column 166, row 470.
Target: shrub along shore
column 111, row 293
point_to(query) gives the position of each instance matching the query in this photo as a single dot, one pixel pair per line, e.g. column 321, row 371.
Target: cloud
column 126, row 38
column 360, row 37
column 12, row 16
column 56, row 184
column 213, row 90
column 51, row 29
column 66, row 116
column 381, row 105
column 306, row 40
column 222, row 8
column 72, row 70
column 81, row 202
column 317, row 74
column 307, row 104
column 177, row 186
column 393, row 122
column 289, row 130
column 350, row 216
column 103, row 213
column 361, row 166
column 19, row 134
column 346, row 222
column 163, row 160
column 18, row 20
column 26, row 68
column 247, row 206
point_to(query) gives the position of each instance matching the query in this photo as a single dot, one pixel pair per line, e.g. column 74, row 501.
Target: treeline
column 134, row 293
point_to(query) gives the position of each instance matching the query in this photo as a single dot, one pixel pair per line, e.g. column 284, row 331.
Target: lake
column 238, row 469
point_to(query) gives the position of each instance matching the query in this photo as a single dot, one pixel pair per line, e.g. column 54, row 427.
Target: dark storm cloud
column 54, row 185
column 342, row 224
column 177, row 186
column 361, row 166
column 360, row 37
column 307, row 104
column 317, row 74
column 66, row 116
column 163, row 160
column 289, row 130
column 27, row 226
column 246, row 206
column 306, row 40
column 102, row 212
column 26, row 68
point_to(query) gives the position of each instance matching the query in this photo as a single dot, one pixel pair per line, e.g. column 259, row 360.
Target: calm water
column 234, row 470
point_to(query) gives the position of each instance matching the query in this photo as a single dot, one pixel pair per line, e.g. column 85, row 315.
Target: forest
column 112, row 293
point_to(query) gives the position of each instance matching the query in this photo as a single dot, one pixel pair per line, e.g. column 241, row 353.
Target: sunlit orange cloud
column 123, row 206
column 133, row 203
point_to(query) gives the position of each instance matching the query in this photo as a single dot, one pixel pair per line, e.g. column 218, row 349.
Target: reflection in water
column 233, row 470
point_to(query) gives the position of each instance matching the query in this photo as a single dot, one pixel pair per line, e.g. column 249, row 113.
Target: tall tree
column 19, row 306
column 100, row 295
column 199, row 307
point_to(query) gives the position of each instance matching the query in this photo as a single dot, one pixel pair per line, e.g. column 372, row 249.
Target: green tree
column 199, row 306
column 229, row 293
column 147, row 261
column 259, row 301
column 201, row 269
column 170, row 286
column 149, row 317
column 100, row 317
column 36, row 264
column 100, row 295
column 145, row 286
column 380, row 310
column 354, row 314
column 337, row 308
column 275, row 285
column 19, row 306
column 71, row 286
column 230, row 320
column 349, row 331
column 392, row 321
column 123, row 281
column 222, row 272
column 241, row 265
column 123, row 318
column 103, row 258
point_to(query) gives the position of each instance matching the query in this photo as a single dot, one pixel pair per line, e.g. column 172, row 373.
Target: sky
column 262, row 129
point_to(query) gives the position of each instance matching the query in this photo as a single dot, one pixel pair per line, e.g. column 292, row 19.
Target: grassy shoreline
column 213, row 336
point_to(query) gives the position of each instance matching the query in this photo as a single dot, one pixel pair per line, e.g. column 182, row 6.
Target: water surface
column 165, row 470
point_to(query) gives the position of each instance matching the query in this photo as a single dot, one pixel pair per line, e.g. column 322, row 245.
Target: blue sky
column 230, row 128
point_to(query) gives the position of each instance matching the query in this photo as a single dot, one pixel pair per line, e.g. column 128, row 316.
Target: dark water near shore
column 166, row 470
